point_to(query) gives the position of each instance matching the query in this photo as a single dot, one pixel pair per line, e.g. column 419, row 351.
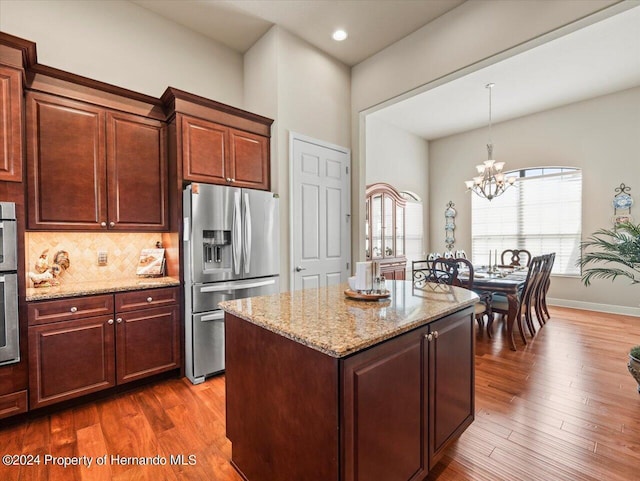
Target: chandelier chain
column 490, row 181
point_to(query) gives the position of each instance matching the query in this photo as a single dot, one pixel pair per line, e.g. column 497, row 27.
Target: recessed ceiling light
column 339, row 35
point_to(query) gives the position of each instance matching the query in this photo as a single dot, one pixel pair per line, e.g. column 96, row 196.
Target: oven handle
column 216, row 316
column 230, row 286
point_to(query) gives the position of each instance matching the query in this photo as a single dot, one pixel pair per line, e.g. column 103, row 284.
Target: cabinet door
column 385, row 416
column 69, row 359
column 249, row 160
column 204, row 154
column 136, row 173
column 10, row 124
column 65, row 164
column 147, row 342
column 451, row 380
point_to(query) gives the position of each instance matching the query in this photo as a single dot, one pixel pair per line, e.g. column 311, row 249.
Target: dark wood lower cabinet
column 386, row 413
column 69, row 359
column 385, row 420
column 70, row 356
column 147, row 343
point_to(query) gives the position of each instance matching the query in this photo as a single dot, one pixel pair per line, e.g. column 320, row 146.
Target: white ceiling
column 596, row 60
column 372, row 25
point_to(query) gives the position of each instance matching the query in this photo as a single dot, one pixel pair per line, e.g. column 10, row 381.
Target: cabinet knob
column 119, row 320
column 110, row 321
column 74, row 309
column 233, row 180
column 228, row 179
column 103, row 224
column 435, row 334
column 149, row 299
column 112, row 224
column 428, row 337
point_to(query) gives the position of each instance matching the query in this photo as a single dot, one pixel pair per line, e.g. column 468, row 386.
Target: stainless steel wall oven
column 9, row 332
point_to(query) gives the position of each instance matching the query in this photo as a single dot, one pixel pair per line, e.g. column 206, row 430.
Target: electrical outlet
column 102, row 258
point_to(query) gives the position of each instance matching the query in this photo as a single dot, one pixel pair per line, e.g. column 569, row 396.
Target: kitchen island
column 323, row 387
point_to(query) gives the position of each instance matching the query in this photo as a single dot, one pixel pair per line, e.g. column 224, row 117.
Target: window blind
column 541, row 213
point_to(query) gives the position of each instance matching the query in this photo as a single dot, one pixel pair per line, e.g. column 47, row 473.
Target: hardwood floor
column 564, row 408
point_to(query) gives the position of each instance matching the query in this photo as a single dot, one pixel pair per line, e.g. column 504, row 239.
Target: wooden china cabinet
column 385, row 229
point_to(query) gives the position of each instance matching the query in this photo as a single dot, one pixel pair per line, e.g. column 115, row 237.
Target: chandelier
column 491, row 181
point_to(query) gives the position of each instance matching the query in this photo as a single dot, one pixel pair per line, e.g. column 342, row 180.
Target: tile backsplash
column 123, row 252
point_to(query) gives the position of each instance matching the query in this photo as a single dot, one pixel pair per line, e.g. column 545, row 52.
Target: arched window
column 542, row 213
column 414, row 232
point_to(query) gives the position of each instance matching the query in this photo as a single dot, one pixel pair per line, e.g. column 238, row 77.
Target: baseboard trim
column 592, row 306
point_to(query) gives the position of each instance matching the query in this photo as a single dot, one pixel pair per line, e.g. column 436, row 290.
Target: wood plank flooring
column 561, row 408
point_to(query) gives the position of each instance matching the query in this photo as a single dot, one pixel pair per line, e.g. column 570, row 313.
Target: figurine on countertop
column 45, row 275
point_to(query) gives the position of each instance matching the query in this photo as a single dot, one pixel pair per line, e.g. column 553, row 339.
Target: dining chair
column 542, row 312
column 465, row 279
column 444, row 271
column 515, row 257
column 420, row 272
column 525, row 300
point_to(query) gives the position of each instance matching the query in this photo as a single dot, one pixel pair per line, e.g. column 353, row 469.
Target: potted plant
column 617, row 253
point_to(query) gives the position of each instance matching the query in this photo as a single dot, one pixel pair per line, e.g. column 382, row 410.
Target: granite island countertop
column 98, row 287
column 326, row 320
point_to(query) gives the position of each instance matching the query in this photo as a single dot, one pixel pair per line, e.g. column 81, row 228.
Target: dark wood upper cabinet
column 217, row 154
column 10, row 124
column 89, row 168
column 218, row 144
column 204, row 148
column 249, row 159
column 136, row 173
column 66, row 165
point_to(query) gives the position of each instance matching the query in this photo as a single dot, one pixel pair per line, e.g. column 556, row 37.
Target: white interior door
column 321, row 213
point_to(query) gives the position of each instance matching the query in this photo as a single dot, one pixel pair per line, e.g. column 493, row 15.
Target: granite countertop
column 98, row 287
column 326, row 320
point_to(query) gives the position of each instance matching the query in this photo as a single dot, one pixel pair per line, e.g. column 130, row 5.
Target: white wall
column 123, row 44
column 310, row 92
column 467, row 35
column 600, row 136
column 399, row 158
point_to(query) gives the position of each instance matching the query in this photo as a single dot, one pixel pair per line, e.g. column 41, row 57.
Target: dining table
column 507, row 281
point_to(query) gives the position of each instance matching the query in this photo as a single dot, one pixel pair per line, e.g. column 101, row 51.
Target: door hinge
column 347, row 169
column 347, row 265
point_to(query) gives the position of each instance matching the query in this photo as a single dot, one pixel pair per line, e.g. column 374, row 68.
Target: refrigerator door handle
column 236, row 233
column 216, row 316
column 232, row 286
column 246, row 245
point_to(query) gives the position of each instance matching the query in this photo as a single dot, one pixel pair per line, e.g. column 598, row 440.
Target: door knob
column 299, row 268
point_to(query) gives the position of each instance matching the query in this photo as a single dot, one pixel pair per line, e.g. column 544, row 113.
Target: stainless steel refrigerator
column 231, row 251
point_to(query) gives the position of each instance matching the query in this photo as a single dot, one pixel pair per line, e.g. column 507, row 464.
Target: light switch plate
column 102, row 258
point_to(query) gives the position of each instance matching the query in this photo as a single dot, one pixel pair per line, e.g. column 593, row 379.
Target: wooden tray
column 366, row 297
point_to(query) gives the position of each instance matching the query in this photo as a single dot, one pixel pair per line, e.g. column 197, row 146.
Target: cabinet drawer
column 130, row 301
column 68, row 309
column 14, row 403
